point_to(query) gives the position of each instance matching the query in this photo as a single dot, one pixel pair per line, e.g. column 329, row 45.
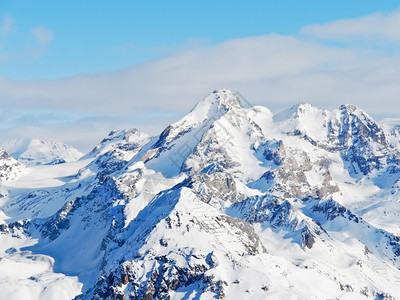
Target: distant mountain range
column 228, row 202
column 37, row 152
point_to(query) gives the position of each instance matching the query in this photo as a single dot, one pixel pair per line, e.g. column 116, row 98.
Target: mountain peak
column 351, row 108
column 126, row 140
column 355, row 110
column 225, row 97
column 303, row 106
column 296, row 111
column 123, row 134
column 9, row 167
column 221, row 98
column 211, row 107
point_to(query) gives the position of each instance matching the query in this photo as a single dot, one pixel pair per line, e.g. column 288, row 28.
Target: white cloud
column 378, row 25
column 271, row 70
column 42, row 34
column 176, row 83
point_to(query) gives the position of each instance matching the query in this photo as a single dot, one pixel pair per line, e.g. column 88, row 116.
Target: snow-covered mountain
column 38, row 152
column 228, row 202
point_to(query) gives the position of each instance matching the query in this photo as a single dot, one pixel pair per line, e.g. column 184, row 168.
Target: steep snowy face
column 182, row 242
column 218, row 131
column 212, row 107
column 228, row 202
column 37, row 152
column 205, row 112
column 304, row 119
column 168, row 152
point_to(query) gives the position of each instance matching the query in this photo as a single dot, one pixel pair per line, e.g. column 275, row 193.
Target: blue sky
column 74, row 70
column 94, row 36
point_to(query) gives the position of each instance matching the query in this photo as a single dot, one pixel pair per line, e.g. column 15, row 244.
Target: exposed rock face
column 293, row 181
column 215, row 187
column 357, row 135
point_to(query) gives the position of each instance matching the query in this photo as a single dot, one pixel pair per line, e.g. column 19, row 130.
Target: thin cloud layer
column 272, row 70
column 176, row 83
column 386, row 26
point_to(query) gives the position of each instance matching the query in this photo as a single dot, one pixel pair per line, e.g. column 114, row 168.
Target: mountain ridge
column 227, row 201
